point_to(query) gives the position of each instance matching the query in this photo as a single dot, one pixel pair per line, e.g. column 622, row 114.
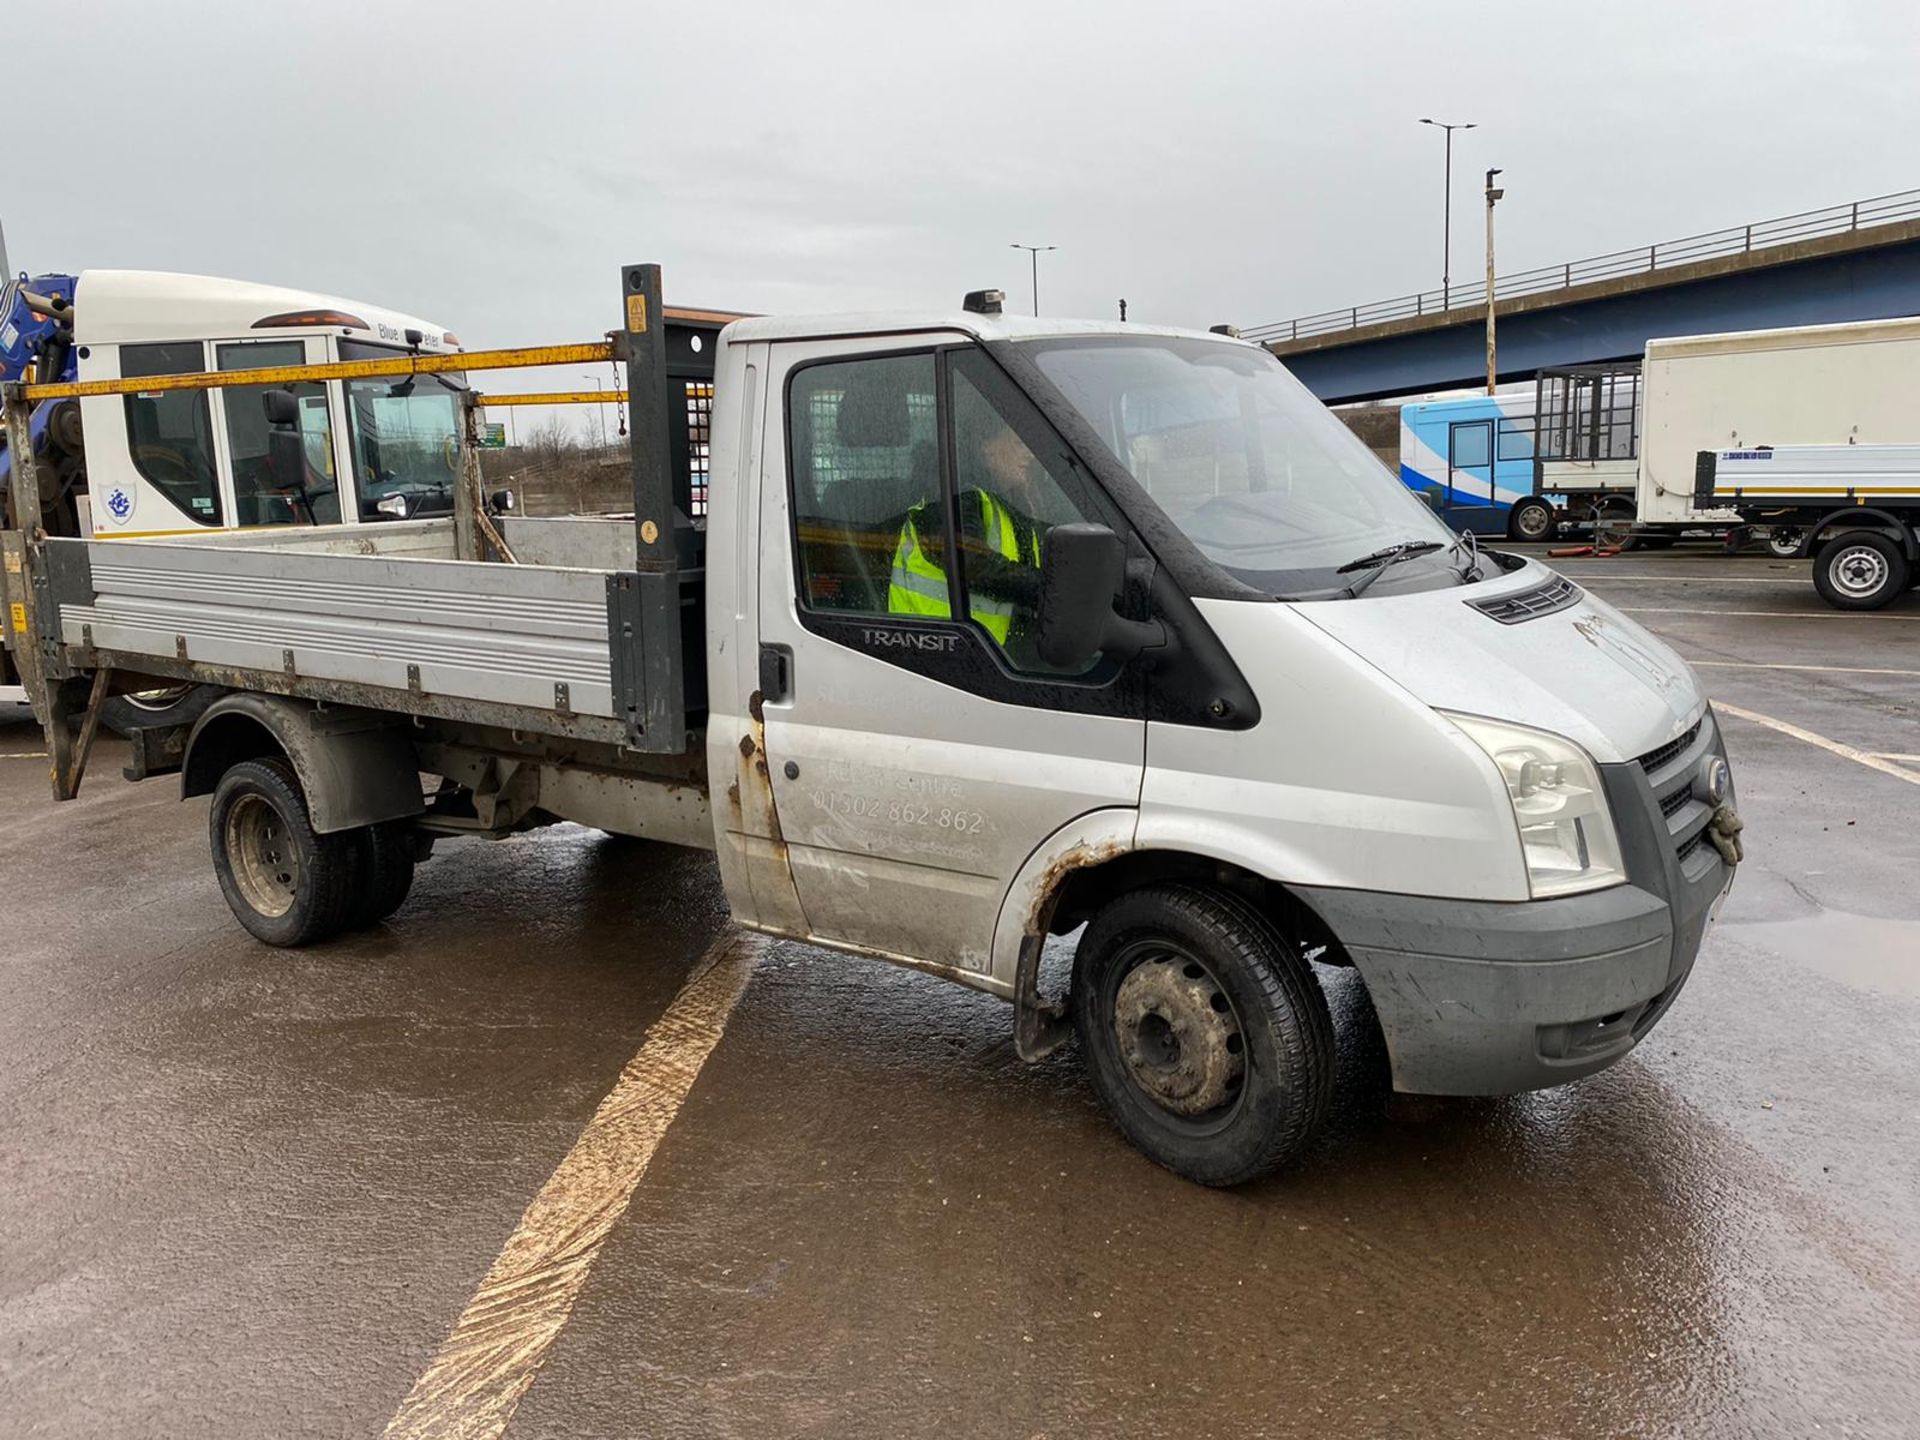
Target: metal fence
column 1762, row 234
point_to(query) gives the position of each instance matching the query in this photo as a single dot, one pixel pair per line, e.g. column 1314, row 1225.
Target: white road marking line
column 1896, row 757
column 471, row 1388
column 1846, row 752
column 1768, row 614
column 23, row 754
column 1587, row 576
column 1819, row 669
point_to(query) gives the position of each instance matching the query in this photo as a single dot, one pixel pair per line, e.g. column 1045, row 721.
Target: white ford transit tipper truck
column 996, row 629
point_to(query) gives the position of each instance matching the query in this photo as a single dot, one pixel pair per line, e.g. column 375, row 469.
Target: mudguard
column 355, row 768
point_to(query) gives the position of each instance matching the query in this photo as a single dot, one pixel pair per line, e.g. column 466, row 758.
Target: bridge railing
column 1760, row 235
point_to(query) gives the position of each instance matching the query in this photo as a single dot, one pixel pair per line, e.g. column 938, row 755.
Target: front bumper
column 1481, row 998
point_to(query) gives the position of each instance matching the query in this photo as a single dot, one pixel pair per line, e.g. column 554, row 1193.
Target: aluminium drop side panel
column 1820, row 477
column 501, row 633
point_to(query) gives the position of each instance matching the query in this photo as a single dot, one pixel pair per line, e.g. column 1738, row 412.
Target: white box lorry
column 996, row 629
column 1621, row 445
column 1813, row 433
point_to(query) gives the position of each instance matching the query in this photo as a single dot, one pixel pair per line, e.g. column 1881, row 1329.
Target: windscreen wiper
column 1467, row 540
column 1376, row 563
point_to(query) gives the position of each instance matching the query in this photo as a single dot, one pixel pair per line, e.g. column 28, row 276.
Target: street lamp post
column 1446, row 210
column 1034, row 252
column 1494, row 193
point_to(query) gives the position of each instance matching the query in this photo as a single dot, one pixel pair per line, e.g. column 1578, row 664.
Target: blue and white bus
column 1476, row 452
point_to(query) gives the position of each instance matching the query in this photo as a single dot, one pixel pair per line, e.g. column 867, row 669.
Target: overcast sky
column 490, row 165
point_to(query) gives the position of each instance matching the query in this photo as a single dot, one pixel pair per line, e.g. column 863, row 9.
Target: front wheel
column 1860, row 570
column 1207, row 1037
column 1530, row 519
column 285, row 882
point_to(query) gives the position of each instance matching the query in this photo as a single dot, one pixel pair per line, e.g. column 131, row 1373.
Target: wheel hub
column 1859, row 570
column 264, row 861
column 1179, row 1036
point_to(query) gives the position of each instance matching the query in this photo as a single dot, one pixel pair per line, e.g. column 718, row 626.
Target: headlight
column 1566, row 829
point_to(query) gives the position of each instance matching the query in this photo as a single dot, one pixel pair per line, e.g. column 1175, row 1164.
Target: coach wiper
column 1376, row 563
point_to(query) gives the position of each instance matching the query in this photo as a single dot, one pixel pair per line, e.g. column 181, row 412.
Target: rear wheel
column 1207, row 1037
column 287, row 884
column 1613, row 525
column 1860, row 570
column 1784, row 541
column 1530, row 519
column 383, row 873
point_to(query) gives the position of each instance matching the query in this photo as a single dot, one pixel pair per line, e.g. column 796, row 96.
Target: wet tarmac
column 248, row 1192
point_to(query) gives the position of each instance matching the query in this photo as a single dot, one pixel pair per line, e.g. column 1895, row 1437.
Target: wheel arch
column 355, row 769
column 1089, row 862
column 1838, row 521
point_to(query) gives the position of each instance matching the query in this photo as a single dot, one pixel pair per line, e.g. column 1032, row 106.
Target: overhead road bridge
column 1858, row 261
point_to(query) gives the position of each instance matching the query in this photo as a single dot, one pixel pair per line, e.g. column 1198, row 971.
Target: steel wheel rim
column 156, row 700
column 1784, row 543
column 262, row 857
column 1859, row 571
column 1178, row 1035
column 1533, row 521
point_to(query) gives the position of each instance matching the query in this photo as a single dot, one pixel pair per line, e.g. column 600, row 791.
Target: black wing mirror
column 1082, row 572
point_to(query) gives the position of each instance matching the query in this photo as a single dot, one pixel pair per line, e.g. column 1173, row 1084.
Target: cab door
column 917, row 759
column 1469, row 472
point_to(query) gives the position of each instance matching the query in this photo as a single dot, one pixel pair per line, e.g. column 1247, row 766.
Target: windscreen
column 1258, row 474
column 406, row 440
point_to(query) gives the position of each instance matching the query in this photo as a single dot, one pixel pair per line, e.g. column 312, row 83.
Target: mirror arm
column 1125, row 640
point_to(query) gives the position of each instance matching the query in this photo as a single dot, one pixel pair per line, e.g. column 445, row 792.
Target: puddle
column 1858, row 950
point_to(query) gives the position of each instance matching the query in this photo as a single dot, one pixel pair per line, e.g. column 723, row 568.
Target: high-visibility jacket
column 919, row 585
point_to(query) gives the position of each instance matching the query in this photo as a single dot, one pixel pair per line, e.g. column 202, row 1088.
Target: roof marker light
column 291, row 319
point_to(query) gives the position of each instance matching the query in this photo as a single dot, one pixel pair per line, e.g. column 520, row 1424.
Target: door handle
column 776, row 672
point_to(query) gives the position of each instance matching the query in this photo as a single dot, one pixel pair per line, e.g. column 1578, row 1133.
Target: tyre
column 1861, row 570
column 383, row 873
column 1784, row 541
column 284, row 882
column 156, row 709
column 1613, row 526
column 1207, row 1037
column 1530, row 519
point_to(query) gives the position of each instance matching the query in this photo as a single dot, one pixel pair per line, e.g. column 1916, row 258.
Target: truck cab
column 177, row 463
column 372, row 451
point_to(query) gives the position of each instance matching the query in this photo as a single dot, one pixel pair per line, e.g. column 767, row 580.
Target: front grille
column 1543, row 599
column 1671, row 770
column 1654, row 759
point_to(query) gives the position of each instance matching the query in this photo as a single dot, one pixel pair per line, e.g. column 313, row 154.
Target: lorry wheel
column 1530, row 519
column 383, row 873
column 1860, row 570
column 1207, row 1037
column 158, row 709
column 287, row 884
column 1784, row 541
